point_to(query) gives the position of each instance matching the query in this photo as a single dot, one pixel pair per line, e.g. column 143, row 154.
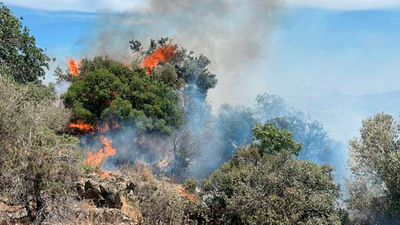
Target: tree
column 269, row 140
column 19, row 55
column 107, row 90
column 317, row 145
column 271, row 106
column 264, row 184
column 374, row 159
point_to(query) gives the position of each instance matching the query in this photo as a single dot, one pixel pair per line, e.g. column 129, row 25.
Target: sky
column 315, row 47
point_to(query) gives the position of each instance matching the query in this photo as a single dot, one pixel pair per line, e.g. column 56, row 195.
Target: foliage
column 189, row 70
column 159, row 202
column 37, row 167
column 256, row 188
column 18, row 51
column 317, row 146
column 374, row 159
column 269, row 140
column 271, row 106
column 316, row 143
column 25, row 108
column 190, row 185
column 106, row 89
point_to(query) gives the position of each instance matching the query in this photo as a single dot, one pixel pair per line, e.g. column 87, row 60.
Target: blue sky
column 326, row 51
column 316, row 47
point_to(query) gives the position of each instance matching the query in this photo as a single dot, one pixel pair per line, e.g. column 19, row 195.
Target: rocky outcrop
column 103, row 194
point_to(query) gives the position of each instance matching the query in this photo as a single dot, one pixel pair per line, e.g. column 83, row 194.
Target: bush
column 36, row 165
column 190, row 185
column 271, row 187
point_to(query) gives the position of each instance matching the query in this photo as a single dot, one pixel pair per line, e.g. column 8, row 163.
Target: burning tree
column 163, row 94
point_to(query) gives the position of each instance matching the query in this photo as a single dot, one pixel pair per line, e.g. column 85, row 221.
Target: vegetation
column 36, row 164
column 375, row 162
column 253, row 160
column 108, row 90
column 264, row 184
column 19, row 55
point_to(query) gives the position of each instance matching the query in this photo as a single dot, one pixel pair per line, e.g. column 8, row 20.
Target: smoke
column 62, row 87
column 233, row 34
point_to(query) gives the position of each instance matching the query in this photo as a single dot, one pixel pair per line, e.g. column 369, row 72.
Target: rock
column 103, row 195
column 131, row 187
column 92, row 191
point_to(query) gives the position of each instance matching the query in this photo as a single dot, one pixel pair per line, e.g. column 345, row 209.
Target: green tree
column 374, row 159
column 269, row 140
column 19, row 55
column 108, row 90
column 274, row 188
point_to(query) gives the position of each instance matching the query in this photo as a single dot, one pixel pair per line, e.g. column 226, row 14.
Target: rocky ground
column 112, row 198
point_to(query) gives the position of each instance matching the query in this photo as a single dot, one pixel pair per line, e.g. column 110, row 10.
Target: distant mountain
column 342, row 114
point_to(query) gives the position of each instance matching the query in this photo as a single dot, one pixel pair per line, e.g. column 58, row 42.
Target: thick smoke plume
column 233, row 34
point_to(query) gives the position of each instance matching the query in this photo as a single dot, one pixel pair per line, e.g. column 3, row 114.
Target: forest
column 137, row 142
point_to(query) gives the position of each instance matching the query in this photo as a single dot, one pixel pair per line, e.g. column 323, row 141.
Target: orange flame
column 87, row 128
column 190, row 197
column 82, row 126
column 109, row 126
column 95, row 159
column 73, row 67
column 162, row 54
column 104, row 174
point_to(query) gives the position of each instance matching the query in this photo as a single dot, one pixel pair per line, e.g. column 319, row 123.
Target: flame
column 73, row 67
column 190, row 197
column 87, row 128
column 162, row 54
column 104, row 174
column 95, row 159
column 109, row 126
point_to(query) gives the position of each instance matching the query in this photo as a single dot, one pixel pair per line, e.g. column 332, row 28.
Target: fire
column 95, row 159
column 109, row 126
column 162, row 54
column 82, row 126
column 73, row 67
column 104, row 174
column 89, row 129
column 190, row 197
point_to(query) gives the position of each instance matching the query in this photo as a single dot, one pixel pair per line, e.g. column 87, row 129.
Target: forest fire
column 73, row 67
column 162, row 54
column 95, row 159
column 84, row 127
column 182, row 191
column 89, row 129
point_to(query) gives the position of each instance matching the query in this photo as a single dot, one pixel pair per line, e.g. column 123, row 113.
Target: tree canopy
column 108, row 90
column 273, row 188
column 374, row 159
column 19, row 55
